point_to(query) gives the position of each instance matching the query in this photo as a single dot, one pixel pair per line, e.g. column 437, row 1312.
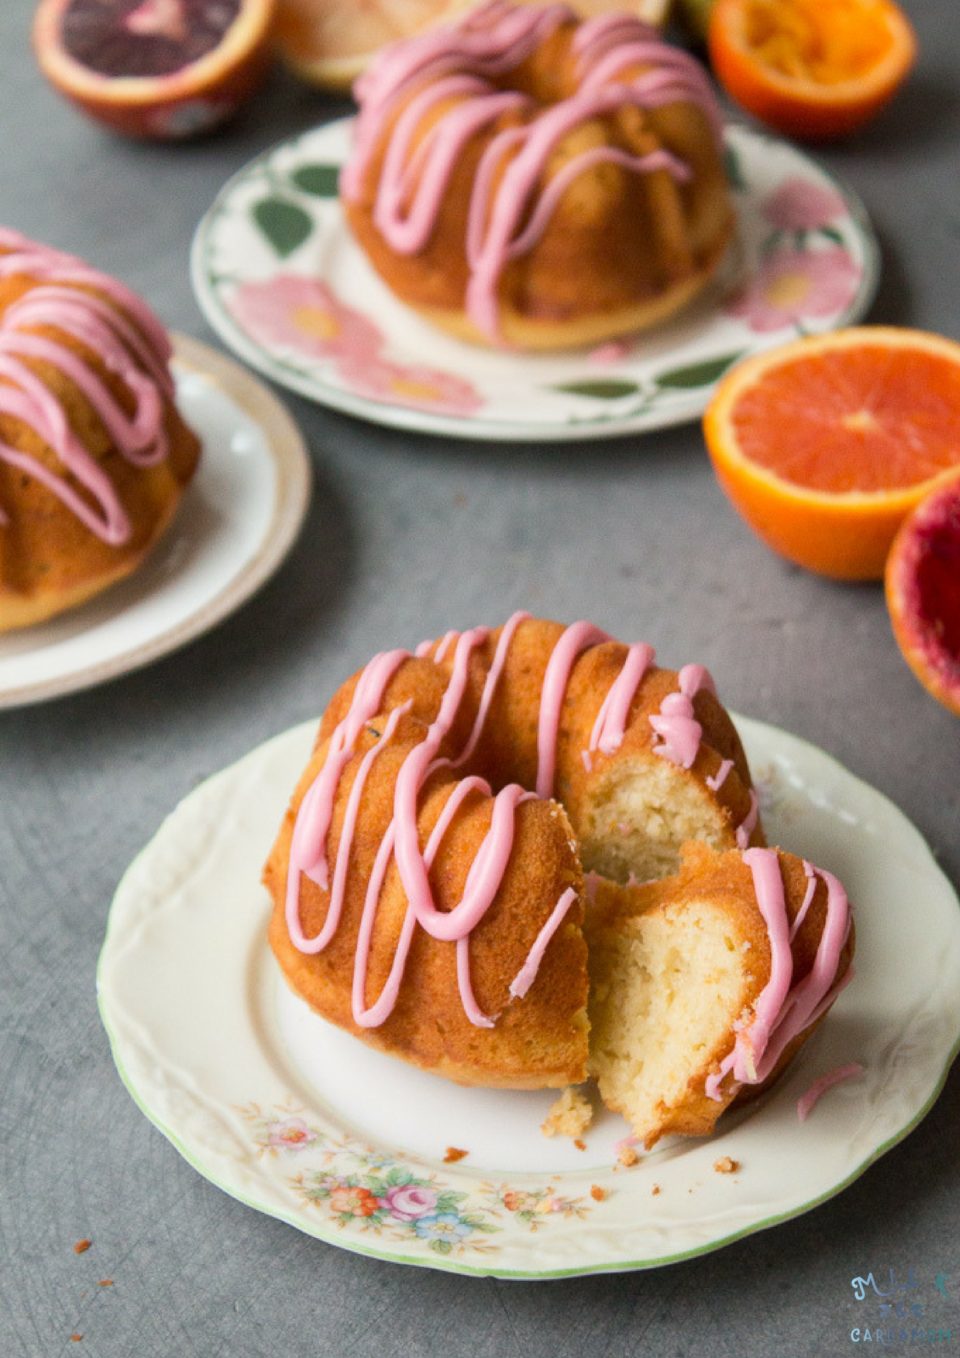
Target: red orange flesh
column 155, row 68
column 923, row 593
column 824, row 445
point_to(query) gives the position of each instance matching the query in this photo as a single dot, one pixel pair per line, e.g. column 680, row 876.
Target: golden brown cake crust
column 541, row 1040
column 621, row 250
column 49, row 559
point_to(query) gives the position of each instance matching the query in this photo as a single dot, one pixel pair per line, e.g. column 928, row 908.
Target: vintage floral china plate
column 279, row 277
column 238, row 520
column 303, row 1122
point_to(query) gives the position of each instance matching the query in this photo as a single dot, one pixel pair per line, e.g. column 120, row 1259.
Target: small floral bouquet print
column 396, row 1201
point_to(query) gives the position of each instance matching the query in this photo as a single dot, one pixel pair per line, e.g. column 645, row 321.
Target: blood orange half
column 155, row 68
column 923, row 592
column 826, row 444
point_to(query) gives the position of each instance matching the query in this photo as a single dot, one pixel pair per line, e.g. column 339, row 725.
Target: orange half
column 825, row 445
column 815, row 69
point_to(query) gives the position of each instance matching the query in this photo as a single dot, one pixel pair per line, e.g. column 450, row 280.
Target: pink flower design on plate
column 292, row 1134
column 303, row 314
column 803, row 205
column 793, row 284
column 407, row 1202
column 422, row 388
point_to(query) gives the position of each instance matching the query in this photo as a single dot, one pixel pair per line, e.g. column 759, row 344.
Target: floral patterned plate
column 305, row 1123
column 279, row 277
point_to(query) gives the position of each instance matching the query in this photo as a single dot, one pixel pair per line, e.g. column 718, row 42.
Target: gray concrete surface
column 406, row 536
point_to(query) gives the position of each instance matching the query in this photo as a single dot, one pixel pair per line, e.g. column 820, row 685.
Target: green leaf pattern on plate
column 601, row 389
column 697, row 374
column 320, row 180
column 285, row 224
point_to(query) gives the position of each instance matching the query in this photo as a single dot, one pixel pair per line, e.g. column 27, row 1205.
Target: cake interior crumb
column 570, row 1115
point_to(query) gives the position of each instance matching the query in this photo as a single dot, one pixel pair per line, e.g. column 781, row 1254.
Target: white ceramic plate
column 305, row 1123
column 279, row 277
column 238, row 519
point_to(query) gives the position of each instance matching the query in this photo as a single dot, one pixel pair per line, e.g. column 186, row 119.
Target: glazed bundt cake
column 429, row 877
column 523, row 178
column 93, row 453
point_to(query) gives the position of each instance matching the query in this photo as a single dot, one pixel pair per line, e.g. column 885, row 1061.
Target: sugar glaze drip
column 136, row 353
column 400, row 843
column 783, row 1009
column 509, row 211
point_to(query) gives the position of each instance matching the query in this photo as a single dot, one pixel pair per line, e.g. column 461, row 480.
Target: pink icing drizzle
column 459, row 64
column 308, row 850
column 578, row 637
column 610, row 725
column 807, row 901
column 716, row 780
column 782, row 1010
column 137, row 353
column 675, row 723
column 527, row 974
column 807, row 1101
column 747, row 826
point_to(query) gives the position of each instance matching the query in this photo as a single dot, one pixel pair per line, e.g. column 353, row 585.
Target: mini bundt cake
column 429, row 877
column 523, row 178
column 93, row 453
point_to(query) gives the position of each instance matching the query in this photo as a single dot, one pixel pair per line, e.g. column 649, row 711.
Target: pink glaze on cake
column 783, row 1009
column 746, row 827
column 577, row 638
column 611, row 724
column 676, row 726
column 807, row 901
column 308, row 851
column 136, row 353
column 716, row 780
column 621, row 63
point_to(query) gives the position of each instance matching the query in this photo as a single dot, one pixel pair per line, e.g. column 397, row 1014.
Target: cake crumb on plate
column 82, row 1246
column 726, row 1165
column 453, row 1154
column 570, row 1115
column 597, row 1193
